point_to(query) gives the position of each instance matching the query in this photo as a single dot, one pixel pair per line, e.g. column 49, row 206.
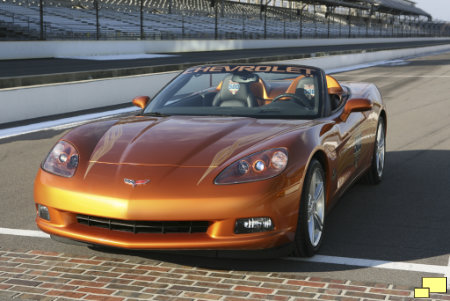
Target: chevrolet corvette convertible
column 229, row 158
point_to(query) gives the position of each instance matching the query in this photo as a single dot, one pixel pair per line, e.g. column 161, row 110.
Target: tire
column 376, row 170
column 311, row 217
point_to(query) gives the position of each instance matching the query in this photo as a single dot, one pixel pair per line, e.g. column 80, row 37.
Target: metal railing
column 31, row 20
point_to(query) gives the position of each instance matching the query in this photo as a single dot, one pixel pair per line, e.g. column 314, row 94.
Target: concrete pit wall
column 55, row 49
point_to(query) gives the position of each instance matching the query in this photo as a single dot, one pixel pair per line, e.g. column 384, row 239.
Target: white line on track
column 367, row 263
column 418, row 76
column 447, row 274
column 381, row 75
column 379, row 264
column 366, row 65
column 28, row 233
column 61, row 124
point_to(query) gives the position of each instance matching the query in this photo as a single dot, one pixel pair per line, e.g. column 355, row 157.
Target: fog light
column 253, row 224
column 43, row 212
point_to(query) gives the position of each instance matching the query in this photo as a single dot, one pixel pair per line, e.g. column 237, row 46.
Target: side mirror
column 356, row 105
column 334, row 88
column 141, row 101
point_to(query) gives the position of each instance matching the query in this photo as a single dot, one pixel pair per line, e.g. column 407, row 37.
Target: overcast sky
column 439, row 9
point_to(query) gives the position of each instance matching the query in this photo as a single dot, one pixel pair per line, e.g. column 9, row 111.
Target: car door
column 347, row 140
column 349, row 148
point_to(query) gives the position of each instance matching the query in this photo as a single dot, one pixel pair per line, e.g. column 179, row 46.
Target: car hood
column 184, row 141
column 176, row 143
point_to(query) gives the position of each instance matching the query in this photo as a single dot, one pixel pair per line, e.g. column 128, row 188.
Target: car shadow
column 403, row 218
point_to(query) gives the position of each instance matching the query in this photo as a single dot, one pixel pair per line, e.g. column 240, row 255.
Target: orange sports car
column 228, row 158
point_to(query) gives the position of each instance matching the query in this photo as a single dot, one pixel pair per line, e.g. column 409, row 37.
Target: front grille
column 144, row 226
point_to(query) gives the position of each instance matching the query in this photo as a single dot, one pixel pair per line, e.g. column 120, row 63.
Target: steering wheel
column 296, row 97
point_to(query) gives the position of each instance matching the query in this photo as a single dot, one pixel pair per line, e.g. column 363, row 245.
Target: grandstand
column 209, row 19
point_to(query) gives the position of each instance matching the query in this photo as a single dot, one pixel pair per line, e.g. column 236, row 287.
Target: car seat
column 234, row 94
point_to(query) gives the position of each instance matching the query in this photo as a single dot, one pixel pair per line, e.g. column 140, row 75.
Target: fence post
column 328, row 19
column 315, row 21
column 300, row 29
column 381, row 24
column 216, row 25
column 142, row 19
column 182, row 26
column 367, row 26
column 417, row 26
column 301, row 22
column 410, row 27
column 265, row 21
column 333, row 20
column 393, row 23
column 41, row 19
column 97, row 23
column 349, row 25
column 243, row 27
column 401, row 28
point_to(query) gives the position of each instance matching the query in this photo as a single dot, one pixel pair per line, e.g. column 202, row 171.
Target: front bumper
column 220, row 209
column 64, row 224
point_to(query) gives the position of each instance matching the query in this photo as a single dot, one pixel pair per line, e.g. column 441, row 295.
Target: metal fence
column 195, row 19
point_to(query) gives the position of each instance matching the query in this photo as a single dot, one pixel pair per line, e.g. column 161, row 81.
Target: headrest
column 237, row 94
column 302, row 85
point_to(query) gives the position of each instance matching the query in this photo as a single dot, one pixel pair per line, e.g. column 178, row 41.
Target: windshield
column 259, row 91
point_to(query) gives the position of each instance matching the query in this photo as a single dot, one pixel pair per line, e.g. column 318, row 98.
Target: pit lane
column 404, row 219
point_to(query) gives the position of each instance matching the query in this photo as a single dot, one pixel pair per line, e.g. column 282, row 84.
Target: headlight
column 62, row 160
column 259, row 166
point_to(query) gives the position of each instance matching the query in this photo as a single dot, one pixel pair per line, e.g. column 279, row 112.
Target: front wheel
column 311, row 217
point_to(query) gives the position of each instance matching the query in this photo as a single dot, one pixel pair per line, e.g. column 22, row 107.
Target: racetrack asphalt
column 405, row 218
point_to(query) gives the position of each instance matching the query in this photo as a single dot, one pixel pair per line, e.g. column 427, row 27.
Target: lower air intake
column 144, row 226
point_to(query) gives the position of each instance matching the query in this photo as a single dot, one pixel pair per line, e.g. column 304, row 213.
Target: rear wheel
column 376, row 170
column 311, row 217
